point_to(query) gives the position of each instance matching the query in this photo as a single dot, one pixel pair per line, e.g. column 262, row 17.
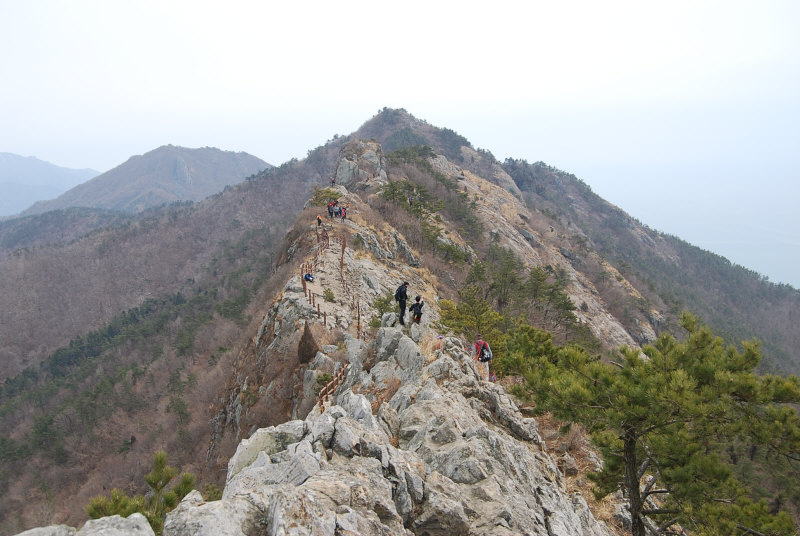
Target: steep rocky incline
column 444, row 453
column 414, row 440
column 510, row 224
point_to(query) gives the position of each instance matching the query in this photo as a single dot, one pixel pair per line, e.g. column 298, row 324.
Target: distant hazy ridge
column 25, row 180
column 164, row 175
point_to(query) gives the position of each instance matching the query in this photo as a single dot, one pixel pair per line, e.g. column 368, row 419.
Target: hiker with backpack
column 483, row 354
column 416, row 309
column 401, row 296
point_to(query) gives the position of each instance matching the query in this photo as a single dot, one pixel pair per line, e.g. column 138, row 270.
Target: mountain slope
column 163, row 175
column 76, row 283
column 185, row 330
column 25, row 180
column 414, row 441
column 661, row 274
column 670, row 273
column 117, row 332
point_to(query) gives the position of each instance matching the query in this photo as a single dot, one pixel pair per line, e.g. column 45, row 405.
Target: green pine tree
column 473, row 316
column 156, row 504
column 662, row 416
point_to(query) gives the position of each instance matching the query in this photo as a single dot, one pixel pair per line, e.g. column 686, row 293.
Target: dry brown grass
column 577, row 443
column 381, row 394
column 428, row 345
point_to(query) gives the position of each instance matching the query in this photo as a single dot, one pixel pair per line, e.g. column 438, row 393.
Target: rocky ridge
column 414, row 441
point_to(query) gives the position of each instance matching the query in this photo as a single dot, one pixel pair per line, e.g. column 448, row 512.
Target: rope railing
column 324, row 241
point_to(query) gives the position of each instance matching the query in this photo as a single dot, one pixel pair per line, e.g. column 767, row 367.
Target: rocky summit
column 412, row 439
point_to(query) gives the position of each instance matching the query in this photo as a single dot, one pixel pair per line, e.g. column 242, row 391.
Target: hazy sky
column 684, row 114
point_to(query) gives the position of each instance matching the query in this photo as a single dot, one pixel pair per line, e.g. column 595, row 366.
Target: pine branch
column 748, row 530
column 643, row 468
column 645, row 495
column 663, row 526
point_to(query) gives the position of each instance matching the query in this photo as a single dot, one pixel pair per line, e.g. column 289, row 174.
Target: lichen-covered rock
column 134, row 524
column 194, row 517
column 267, row 440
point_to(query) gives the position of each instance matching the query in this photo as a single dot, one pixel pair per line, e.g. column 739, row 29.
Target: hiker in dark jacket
column 401, row 296
column 416, row 309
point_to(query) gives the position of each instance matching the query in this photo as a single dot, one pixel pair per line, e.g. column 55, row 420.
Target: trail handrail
column 331, row 386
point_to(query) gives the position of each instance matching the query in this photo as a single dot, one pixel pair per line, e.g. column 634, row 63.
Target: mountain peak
column 164, row 175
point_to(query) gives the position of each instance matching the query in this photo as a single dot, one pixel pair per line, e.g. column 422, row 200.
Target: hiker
column 333, row 181
column 416, row 309
column 319, row 220
column 344, row 213
column 401, row 296
column 308, row 277
column 411, row 200
column 483, row 354
column 330, row 209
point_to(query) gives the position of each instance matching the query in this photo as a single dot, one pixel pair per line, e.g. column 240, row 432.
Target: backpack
column 398, row 295
column 486, row 353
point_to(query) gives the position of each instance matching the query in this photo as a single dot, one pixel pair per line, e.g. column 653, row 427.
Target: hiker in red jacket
column 483, row 354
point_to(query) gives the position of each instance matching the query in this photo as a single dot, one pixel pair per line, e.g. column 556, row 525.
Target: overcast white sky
column 686, row 114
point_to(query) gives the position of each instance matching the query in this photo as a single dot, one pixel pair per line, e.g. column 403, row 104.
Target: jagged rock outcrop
column 360, row 161
column 444, row 454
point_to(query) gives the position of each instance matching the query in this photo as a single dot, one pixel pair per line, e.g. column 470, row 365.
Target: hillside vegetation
column 737, row 303
column 132, row 334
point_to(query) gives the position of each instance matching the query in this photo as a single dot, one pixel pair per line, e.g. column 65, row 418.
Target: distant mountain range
column 26, row 179
column 161, row 176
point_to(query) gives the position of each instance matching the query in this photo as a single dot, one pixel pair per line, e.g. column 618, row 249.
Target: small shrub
column 322, row 381
column 155, row 505
column 211, row 492
column 328, row 295
column 382, row 305
column 323, row 196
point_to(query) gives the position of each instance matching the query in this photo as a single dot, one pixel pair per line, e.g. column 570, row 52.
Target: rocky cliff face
column 414, row 440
